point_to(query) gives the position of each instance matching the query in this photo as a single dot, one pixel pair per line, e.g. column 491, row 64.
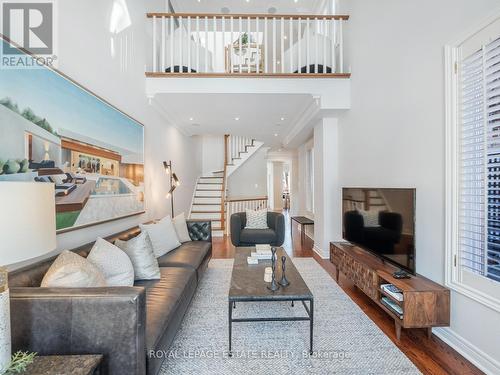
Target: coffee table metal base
column 310, row 317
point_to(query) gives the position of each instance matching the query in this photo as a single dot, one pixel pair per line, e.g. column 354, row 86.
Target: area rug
column 346, row 341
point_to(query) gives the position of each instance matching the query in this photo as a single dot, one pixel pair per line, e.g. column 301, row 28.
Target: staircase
column 210, row 193
column 375, row 201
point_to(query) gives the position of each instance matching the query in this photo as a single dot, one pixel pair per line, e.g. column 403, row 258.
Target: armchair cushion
column 257, row 236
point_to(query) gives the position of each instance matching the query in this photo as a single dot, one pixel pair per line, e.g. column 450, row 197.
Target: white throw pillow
column 140, row 251
column 70, row 270
column 113, row 263
column 256, row 219
column 180, row 226
column 370, row 218
column 162, row 236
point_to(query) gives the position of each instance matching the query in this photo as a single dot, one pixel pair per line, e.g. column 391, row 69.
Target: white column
column 327, row 189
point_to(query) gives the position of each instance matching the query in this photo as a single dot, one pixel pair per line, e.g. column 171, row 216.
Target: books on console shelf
column 393, row 306
column 261, row 255
column 393, row 291
column 263, row 249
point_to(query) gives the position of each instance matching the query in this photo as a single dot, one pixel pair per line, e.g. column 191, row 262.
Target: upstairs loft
column 247, row 45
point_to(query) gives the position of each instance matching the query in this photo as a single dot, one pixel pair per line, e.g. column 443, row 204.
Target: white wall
column 212, row 149
column 277, row 185
column 394, row 134
column 85, row 55
column 250, row 179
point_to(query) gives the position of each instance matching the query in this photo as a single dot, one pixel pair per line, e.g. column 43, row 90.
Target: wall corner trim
column 480, row 359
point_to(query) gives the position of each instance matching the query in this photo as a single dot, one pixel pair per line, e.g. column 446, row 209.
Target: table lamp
column 28, row 223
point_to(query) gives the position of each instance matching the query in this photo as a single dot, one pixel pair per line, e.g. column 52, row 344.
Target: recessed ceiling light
column 191, row 119
column 237, row 119
column 282, row 119
column 275, row 134
column 285, row 37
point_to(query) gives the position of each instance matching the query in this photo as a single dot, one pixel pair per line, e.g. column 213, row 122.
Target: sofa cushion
column 165, row 300
column 257, row 236
column 189, row 254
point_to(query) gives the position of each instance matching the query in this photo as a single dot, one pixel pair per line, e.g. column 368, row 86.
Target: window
column 474, row 165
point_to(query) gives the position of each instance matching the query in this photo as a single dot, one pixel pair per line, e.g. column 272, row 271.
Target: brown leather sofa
column 125, row 324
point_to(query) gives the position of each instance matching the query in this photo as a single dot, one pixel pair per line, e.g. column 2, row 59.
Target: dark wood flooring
column 431, row 356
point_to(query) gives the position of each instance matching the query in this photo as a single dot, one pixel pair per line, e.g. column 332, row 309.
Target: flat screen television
column 382, row 221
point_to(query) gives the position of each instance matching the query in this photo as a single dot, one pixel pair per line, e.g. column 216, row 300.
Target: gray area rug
column 346, row 341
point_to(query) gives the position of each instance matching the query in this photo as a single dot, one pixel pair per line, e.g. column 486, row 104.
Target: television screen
column 381, row 221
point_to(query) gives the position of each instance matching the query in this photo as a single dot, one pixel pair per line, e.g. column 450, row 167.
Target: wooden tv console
column 425, row 304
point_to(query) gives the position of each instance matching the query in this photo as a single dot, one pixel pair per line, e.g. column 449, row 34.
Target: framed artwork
column 53, row 130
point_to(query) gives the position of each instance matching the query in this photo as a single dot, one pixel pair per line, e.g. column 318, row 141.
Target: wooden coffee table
column 247, row 285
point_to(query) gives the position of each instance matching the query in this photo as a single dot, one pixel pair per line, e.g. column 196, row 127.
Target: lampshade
column 27, row 221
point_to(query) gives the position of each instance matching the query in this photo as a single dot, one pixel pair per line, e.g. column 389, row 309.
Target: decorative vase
column 11, row 167
column 5, row 344
column 24, row 164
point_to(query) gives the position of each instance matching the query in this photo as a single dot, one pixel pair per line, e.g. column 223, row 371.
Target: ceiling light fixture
column 237, row 119
column 191, row 119
column 275, row 134
column 282, row 119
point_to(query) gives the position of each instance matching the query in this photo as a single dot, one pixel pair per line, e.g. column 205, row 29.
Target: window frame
column 472, row 287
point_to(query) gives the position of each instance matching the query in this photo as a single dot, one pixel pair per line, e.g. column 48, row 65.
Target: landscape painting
column 52, row 130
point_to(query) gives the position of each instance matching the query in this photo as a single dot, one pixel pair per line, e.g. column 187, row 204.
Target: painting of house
column 55, row 131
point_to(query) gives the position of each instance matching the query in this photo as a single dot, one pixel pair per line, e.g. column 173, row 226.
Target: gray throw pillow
column 70, row 270
column 113, row 263
column 140, row 251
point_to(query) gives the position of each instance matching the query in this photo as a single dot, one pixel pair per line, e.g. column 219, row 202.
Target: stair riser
column 210, row 193
column 201, row 187
column 212, row 216
column 212, row 207
column 215, row 200
column 211, row 180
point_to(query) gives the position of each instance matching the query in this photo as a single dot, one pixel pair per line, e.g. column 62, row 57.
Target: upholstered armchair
column 274, row 235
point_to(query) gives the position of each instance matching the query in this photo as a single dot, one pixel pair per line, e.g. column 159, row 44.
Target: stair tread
column 209, row 183
column 206, row 212
column 209, row 190
column 209, row 196
column 211, row 176
column 206, row 204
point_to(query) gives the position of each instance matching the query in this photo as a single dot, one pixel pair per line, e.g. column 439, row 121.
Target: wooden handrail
column 252, row 16
column 223, row 195
column 247, row 199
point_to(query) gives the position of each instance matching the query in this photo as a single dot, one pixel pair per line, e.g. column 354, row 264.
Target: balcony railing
column 247, row 45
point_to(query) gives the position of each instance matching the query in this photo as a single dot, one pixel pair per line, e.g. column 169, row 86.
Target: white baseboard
column 318, row 251
column 477, row 357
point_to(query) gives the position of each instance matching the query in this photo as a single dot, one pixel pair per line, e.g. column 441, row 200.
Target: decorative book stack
column 261, row 252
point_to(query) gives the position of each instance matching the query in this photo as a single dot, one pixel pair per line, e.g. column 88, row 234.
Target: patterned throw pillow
column 113, row 263
column 140, row 251
column 370, row 218
column 256, row 219
column 70, row 270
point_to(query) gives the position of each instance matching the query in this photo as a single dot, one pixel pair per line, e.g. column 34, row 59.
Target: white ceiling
column 259, row 115
column 242, row 6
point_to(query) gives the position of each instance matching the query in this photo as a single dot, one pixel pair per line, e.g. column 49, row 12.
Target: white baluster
column 325, row 33
column 316, row 46
column 257, row 43
column 266, row 53
column 163, row 44
column 231, row 45
column 249, row 27
column 299, row 46
column 172, row 22
column 333, row 42
column 290, row 42
column 207, row 53
column 215, row 44
column 239, row 42
column 282, row 57
column 154, row 44
column 308, row 48
column 223, row 20
column 198, row 41
column 341, row 46
column 274, row 45
column 181, row 61
column 188, row 46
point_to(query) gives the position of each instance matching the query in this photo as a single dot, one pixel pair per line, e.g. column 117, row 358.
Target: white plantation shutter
column 479, row 161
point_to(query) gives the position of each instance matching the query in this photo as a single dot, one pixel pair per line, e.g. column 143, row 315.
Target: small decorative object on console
column 283, row 281
column 274, row 285
column 401, row 275
column 268, row 274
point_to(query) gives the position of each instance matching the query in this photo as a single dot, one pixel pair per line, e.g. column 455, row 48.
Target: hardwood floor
column 431, row 356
